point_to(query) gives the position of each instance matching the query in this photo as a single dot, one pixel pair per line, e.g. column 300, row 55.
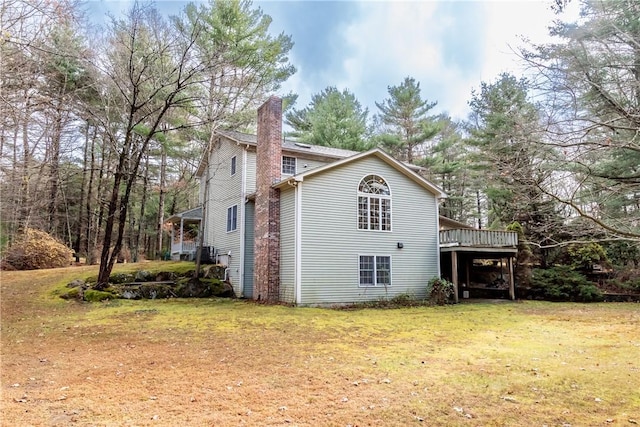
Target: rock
column 143, row 276
column 118, row 278
column 214, row 272
column 77, row 283
column 129, row 294
column 74, row 293
column 226, row 292
column 165, row 276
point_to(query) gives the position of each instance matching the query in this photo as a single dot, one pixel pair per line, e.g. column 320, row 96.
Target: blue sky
column 449, row 47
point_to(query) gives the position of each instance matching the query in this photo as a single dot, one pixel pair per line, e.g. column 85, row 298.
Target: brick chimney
column 266, row 284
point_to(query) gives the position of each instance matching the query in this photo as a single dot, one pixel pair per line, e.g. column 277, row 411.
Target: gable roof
column 290, row 145
column 375, row 152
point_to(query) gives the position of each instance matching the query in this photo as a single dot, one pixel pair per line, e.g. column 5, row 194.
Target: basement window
column 375, row 270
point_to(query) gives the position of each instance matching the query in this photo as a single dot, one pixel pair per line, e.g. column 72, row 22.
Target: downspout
column 243, row 231
column 298, row 242
column 438, row 236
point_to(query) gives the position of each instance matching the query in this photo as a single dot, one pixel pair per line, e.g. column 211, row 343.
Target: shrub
column 403, row 300
column 584, row 256
column 561, row 283
column 627, row 280
column 439, row 291
column 35, row 249
column 624, row 253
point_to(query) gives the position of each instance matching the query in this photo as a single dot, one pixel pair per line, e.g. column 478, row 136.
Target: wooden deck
column 463, row 245
column 478, row 240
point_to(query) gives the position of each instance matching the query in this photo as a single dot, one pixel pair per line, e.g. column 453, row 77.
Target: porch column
column 454, row 274
column 512, row 286
column 181, row 234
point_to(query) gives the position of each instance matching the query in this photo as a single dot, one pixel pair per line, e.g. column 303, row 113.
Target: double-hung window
column 232, row 218
column 374, row 204
column 375, row 270
column 288, row 165
column 233, row 165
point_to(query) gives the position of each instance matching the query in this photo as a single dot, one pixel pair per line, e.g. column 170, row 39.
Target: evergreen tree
column 447, row 164
column 333, row 119
column 244, row 63
column 592, row 76
column 505, row 134
column 405, row 120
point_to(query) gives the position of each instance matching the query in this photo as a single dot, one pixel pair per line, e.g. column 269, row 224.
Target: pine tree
column 333, row 119
column 405, row 120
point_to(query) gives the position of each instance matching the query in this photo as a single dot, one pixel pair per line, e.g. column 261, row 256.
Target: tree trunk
column 54, row 173
column 163, row 173
column 89, row 202
column 145, row 186
column 77, row 245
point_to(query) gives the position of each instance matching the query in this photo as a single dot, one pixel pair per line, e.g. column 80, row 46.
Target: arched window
column 374, row 204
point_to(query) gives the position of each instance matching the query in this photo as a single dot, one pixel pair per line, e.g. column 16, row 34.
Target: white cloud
column 450, row 47
column 391, row 41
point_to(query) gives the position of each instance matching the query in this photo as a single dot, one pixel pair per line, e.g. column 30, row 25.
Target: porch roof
column 191, row 216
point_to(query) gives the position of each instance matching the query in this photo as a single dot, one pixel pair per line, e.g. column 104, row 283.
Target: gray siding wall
column 251, row 171
column 224, row 192
column 287, row 245
column 248, row 250
column 332, row 243
column 301, row 162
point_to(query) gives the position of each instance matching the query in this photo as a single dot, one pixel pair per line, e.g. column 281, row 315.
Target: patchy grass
column 226, row 362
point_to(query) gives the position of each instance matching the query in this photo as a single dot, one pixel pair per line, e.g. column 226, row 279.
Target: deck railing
column 187, row 247
column 478, row 238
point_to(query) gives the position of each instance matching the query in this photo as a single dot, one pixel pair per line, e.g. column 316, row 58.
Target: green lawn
column 224, row 362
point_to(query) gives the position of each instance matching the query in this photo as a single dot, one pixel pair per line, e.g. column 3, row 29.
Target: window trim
column 232, row 218
column 295, row 165
column 234, row 163
column 375, row 271
column 378, row 197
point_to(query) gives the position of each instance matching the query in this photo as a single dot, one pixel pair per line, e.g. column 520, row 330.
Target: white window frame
column 234, row 164
column 295, row 165
column 376, row 261
column 232, row 218
column 384, row 217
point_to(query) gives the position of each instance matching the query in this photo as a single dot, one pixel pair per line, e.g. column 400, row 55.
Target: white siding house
column 349, row 226
column 332, row 245
column 226, row 183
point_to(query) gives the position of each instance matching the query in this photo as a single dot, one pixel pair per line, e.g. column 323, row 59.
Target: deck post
column 512, row 287
column 181, row 234
column 454, row 274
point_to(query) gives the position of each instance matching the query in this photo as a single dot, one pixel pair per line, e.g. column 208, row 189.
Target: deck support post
column 181, row 235
column 454, row 274
column 512, row 287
